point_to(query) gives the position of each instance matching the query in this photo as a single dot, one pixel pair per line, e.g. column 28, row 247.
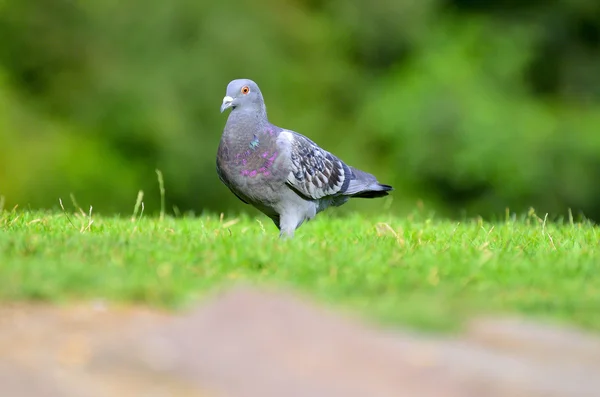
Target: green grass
column 427, row 273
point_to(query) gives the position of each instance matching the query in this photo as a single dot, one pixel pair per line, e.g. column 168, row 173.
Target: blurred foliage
column 467, row 105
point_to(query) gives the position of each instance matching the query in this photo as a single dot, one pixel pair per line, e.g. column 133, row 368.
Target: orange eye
column 245, row 90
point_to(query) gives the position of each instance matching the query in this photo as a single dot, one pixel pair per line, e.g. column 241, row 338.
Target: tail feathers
column 365, row 185
column 378, row 190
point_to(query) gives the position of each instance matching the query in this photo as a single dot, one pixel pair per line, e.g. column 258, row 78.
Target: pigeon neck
column 244, row 123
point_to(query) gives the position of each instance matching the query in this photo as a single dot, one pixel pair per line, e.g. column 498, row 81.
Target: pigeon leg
column 289, row 222
column 284, row 235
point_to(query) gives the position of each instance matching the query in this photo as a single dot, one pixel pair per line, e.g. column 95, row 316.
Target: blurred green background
column 470, row 106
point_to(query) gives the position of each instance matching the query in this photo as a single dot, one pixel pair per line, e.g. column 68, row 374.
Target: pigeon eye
column 245, row 90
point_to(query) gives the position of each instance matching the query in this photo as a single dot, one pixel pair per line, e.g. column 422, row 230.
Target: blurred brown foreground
column 248, row 343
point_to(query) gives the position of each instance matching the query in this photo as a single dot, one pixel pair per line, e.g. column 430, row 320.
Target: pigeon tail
column 365, row 185
column 379, row 190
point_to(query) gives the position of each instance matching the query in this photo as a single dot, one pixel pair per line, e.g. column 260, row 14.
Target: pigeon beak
column 227, row 102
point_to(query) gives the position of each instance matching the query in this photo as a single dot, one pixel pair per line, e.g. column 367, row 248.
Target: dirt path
column 247, row 343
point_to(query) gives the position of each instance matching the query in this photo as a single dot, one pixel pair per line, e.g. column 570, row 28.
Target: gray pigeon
column 282, row 173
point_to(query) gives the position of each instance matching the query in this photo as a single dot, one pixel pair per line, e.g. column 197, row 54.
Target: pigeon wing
column 315, row 173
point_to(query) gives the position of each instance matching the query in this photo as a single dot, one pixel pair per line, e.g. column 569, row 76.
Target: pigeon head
column 243, row 94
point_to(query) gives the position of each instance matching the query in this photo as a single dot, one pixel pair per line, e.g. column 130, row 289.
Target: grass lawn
column 427, row 273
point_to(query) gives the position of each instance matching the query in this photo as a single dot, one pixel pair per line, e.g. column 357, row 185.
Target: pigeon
column 280, row 172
